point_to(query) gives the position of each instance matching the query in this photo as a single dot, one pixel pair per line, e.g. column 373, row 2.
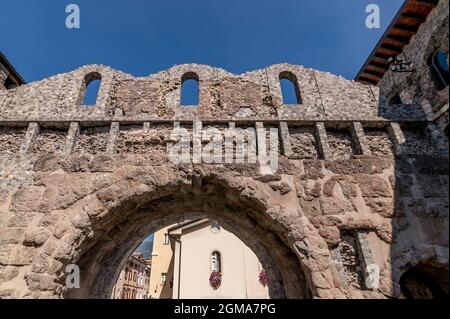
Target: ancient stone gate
column 359, row 182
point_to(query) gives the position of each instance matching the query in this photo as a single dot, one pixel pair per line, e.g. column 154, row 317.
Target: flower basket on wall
column 215, row 280
column 263, row 279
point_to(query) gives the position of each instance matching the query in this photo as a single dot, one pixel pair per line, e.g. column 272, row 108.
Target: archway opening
column 194, row 259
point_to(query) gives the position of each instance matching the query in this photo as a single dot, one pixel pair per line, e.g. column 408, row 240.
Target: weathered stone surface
column 92, row 204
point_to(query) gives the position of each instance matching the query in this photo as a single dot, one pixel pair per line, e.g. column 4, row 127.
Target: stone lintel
column 229, row 143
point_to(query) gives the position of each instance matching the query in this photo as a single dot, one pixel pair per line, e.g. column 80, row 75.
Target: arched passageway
column 425, row 281
column 102, row 248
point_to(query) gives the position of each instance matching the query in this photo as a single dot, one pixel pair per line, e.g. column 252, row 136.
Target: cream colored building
column 198, row 248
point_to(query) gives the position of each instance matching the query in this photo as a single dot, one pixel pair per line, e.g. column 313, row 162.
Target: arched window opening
column 92, row 82
column 425, row 282
column 439, row 69
column 190, row 89
column 216, row 262
column 289, row 88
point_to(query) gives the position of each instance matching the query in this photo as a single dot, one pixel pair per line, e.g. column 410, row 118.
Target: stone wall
column 360, row 182
column 62, row 190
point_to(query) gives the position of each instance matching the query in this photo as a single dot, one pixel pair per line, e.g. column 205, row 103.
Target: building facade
column 134, row 279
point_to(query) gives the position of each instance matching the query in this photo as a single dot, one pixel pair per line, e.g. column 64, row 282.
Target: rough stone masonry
column 360, row 182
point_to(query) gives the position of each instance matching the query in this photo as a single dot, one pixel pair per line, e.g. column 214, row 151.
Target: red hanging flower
column 263, row 279
column 215, row 280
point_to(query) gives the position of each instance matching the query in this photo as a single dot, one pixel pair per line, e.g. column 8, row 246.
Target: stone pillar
column 197, row 142
column 72, row 136
column 146, row 126
column 360, row 138
column 285, row 140
column 367, row 261
column 398, row 139
column 322, row 140
column 30, row 137
column 229, row 143
column 113, row 134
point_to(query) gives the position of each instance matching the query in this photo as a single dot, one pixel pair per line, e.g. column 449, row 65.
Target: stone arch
column 108, row 226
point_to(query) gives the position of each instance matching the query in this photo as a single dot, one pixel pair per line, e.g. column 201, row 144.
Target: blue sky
column 142, row 37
